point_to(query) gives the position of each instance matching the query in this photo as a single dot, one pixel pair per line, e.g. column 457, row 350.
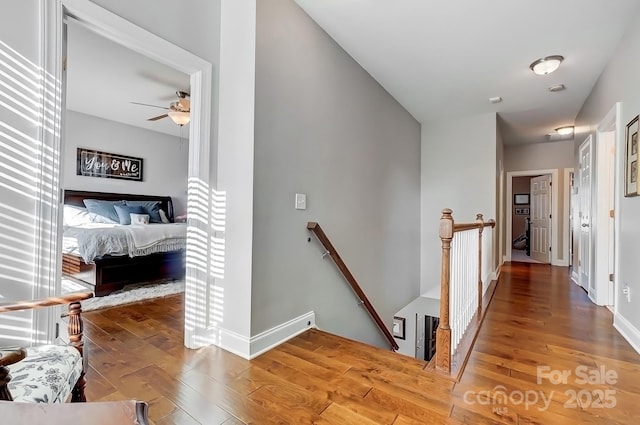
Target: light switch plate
column 301, row 201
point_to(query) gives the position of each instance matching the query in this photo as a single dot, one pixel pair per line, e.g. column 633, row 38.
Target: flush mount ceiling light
column 546, row 65
column 496, row 99
column 179, row 117
column 565, row 131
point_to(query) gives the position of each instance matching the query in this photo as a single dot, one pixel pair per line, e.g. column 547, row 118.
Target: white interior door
column 584, row 217
column 540, row 230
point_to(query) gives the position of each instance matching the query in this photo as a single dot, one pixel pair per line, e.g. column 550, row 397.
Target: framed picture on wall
column 631, row 159
column 398, row 327
column 521, row 199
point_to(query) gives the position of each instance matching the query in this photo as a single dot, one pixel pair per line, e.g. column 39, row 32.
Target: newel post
column 480, row 221
column 443, row 334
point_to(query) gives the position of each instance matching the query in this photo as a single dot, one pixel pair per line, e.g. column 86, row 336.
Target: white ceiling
column 440, row 59
column 103, row 78
column 445, row 59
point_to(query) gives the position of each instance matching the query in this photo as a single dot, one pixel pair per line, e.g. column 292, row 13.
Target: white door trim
column 146, row 43
column 555, row 260
column 612, row 122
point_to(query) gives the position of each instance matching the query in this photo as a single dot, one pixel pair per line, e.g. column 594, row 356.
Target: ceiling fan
column 178, row 110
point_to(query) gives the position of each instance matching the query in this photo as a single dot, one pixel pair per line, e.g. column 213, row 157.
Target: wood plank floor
column 537, row 319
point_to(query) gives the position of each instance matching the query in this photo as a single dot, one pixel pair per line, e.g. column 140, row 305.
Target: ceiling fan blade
column 159, row 117
column 146, row 104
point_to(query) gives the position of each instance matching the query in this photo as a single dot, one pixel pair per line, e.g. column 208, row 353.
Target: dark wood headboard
column 75, row 197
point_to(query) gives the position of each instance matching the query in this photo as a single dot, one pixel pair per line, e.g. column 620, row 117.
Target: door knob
column 585, row 225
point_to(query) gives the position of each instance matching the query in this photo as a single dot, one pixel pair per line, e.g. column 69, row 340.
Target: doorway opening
column 558, row 203
column 198, row 194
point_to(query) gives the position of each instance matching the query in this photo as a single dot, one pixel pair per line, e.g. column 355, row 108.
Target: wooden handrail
column 324, row 240
column 461, row 227
column 45, row 302
column 448, row 228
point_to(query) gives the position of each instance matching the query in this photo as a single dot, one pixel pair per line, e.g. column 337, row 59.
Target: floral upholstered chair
column 48, row 373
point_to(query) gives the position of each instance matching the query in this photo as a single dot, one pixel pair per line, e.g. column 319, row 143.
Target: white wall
column 619, row 82
column 165, row 158
column 458, row 172
column 326, row 128
column 221, row 32
column 231, row 143
column 19, row 136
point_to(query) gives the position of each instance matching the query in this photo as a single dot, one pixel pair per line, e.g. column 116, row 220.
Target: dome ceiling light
column 565, row 131
column 546, row 65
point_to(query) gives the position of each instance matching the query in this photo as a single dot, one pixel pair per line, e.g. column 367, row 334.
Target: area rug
column 129, row 294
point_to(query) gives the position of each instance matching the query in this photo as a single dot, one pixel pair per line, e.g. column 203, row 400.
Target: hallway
column 539, row 325
column 537, row 319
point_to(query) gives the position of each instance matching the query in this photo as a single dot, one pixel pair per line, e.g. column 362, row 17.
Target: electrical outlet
column 627, row 292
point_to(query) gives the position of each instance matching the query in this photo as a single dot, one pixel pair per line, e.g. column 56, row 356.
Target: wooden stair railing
column 447, row 231
column 331, row 251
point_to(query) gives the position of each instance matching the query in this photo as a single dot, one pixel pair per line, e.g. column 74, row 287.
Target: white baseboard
column 235, row 343
column 574, row 277
column 275, row 336
column 628, row 331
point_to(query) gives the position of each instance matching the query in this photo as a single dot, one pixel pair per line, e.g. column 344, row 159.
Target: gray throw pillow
column 104, row 209
column 150, row 207
column 124, row 212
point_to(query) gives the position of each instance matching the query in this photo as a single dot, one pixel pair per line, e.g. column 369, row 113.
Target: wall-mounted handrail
column 444, row 343
column 324, row 240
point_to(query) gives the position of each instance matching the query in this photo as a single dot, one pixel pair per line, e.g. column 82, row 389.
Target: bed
column 108, row 272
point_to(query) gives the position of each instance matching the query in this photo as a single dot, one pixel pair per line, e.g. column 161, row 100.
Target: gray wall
column 325, row 127
column 619, row 83
column 539, row 156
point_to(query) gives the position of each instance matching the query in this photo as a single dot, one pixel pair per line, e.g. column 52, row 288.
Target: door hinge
column 549, row 215
column 612, row 213
column 611, row 277
column 549, row 249
column 64, row 63
column 57, row 330
column 550, row 183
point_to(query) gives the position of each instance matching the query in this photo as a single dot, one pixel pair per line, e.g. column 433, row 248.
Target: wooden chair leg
column 75, row 328
column 4, row 382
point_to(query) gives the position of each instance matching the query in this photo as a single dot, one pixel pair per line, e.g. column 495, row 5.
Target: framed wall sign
column 521, row 199
column 108, row 165
column 631, row 159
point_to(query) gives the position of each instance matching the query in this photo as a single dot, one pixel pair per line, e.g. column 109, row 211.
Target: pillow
column 163, row 217
column 104, row 209
column 124, row 212
column 150, row 207
column 75, row 216
column 139, row 218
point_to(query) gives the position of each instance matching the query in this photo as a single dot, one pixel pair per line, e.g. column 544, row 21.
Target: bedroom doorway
column 559, row 212
column 198, row 196
column 148, row 141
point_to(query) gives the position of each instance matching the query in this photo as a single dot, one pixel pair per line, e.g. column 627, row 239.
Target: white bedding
column 93, row 240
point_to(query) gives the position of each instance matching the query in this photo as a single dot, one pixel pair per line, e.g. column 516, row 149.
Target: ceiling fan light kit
column 178, row 111
column 179, row 117
column 544, row 66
